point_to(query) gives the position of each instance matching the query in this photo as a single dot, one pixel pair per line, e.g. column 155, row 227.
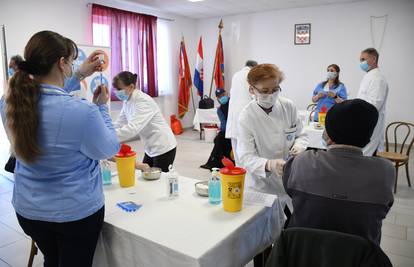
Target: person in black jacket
column 341, row 189
column 222, row 145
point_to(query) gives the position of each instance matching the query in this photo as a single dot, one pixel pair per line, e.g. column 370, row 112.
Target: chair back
column 314, row 247
column 311, row 107
column 397, row 131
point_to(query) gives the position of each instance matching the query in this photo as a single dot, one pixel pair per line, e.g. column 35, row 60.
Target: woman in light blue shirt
column 329, row 92
column 58, row 141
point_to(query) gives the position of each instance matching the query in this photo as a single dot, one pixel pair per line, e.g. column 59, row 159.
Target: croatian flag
column 199, row 70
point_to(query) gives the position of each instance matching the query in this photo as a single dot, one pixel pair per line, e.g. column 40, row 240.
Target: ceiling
column 216, row 8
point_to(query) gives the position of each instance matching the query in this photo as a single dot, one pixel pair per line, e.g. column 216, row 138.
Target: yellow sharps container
column 232, row 187
column 125, row 163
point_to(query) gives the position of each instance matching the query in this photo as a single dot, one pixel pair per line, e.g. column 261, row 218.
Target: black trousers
column 66, row 244
column 222, row 148
column 161, row 161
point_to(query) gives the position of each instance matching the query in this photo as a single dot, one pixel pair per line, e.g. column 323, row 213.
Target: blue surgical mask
column 11, row 72
column 121, row 95
column 223, row 100
column 364, row 66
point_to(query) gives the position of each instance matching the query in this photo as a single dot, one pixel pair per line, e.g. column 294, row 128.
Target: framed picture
column 302, row 34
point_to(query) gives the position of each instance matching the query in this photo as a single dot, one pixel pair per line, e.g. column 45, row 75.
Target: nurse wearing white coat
column 269, row 132
column 239, row 98
column 140, row 116
column 374, row 89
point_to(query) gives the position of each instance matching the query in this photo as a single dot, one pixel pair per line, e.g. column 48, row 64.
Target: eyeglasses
column 268, row 90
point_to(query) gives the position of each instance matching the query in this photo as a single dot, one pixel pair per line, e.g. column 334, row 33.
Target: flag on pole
column 184, row 82
column 199, row 70
column 219, row 65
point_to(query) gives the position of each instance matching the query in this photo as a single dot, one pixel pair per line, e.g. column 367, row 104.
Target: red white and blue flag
column 199, row 70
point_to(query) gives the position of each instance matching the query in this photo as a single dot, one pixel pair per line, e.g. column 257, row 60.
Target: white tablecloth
column 205, row 116
column 187, row 231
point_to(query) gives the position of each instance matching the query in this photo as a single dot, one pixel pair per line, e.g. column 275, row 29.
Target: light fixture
column 195, row 0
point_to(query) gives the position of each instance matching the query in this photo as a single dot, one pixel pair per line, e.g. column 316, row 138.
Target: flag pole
column 220, row 26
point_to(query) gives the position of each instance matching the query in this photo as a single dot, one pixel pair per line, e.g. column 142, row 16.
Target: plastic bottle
column 172, row 183
column 106, row 172
column 214, row 187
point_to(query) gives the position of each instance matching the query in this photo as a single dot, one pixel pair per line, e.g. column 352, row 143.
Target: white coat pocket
column 290, row 135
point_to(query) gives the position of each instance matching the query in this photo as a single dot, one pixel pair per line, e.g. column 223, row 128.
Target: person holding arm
column 330, row 91
column 140, row 116
column 58, row 141
column 269, row 130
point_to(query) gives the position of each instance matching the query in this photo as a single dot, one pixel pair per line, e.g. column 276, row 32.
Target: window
column 133, row 41
column 101, row 34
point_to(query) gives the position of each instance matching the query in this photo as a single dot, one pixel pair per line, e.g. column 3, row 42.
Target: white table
column 205, row 116
column 187, row 231
column 314, row 136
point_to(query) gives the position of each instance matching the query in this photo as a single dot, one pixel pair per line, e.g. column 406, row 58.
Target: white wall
column 339, row 33
column 23, row 18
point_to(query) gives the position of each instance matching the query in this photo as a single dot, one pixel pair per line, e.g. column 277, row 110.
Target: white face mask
column 331, row 75
column 267, row 100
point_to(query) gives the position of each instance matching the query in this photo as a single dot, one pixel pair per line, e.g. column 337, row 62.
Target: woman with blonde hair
column 270, row 131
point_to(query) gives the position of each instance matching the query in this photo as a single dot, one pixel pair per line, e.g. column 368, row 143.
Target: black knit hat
column 351, row 122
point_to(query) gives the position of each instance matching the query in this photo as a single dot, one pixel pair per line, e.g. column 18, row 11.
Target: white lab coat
column 268, row 136
column 374, row 89
column 239, row 98
column 141, row 116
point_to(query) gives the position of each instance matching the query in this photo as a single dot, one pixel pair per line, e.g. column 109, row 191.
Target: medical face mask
column 364, row 66
column 11, row 72
column 121, row 95
column 267, row 100
column 331, row 75
column 224, row 99
column 66, row 77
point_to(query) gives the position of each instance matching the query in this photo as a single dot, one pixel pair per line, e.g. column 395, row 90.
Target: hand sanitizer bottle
column 172, row 183
column 214, row 187
column 106, row 172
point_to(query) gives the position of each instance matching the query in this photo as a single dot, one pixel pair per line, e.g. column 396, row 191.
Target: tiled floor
column 397, row 231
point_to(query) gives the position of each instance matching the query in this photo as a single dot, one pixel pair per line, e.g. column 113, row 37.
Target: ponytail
column 42, row 51
column 126, row 77
column 22, row 115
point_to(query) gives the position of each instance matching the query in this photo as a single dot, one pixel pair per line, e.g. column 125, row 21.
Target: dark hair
column 42, row 51
column 336, row 81
column 17, row 59
column 251, row 63
column 372, row 52
column 126, row 77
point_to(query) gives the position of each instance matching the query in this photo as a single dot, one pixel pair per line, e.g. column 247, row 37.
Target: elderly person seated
column 222, row 145
column 341, row 189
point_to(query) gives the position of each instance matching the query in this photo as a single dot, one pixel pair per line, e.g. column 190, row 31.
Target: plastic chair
column 33, row 253
column 399, row 157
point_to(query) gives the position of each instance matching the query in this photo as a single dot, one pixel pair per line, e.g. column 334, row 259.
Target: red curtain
column 133, row 39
